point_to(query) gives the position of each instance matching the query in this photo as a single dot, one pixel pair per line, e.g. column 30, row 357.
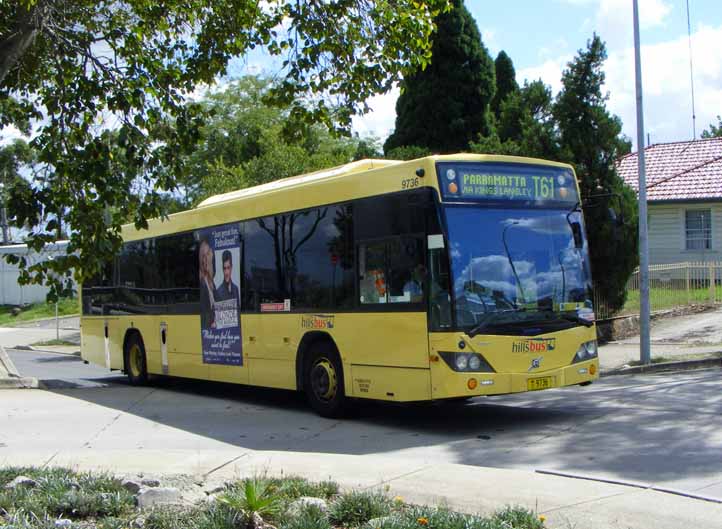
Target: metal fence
column 670, row 286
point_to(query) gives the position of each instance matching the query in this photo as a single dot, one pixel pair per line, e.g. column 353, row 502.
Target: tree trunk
column 16, row 42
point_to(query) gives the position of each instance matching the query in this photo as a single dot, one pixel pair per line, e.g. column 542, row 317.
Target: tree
column 591, row 140
column 525, row 125
column 505, row 81
column 715, row 131
column 81, row 68
column 247, row 142
column 446, row 105
column 12, row 157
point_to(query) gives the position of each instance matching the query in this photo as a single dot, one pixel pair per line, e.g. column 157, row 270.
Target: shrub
column 356, row 508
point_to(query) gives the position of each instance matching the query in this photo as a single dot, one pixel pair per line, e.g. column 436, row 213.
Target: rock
column 16, row 311
column 22, row 481
column 148, row 482
column 158, row 496
column 63, row 523
column 138, row 523
column 216, row 490
column 131, row 486
column 301, row 503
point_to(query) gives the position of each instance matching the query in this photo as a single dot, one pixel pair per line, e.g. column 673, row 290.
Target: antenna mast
column 691, row 74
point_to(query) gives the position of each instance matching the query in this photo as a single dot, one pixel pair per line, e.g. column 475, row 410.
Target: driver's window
column 392, row 271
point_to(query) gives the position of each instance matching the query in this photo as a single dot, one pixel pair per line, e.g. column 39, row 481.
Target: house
column 11, row 293
column 684, row 194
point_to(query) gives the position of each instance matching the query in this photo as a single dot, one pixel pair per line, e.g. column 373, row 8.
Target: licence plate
column 534, row 384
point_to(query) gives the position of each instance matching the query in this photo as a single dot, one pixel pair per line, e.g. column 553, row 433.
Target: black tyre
column 323, row 380
column 136, row 366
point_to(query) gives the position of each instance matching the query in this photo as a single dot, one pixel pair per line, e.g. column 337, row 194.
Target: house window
column 698, row 229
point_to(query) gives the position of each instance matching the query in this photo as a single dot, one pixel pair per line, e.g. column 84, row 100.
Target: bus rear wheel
column 323, row 381
column 136, row 366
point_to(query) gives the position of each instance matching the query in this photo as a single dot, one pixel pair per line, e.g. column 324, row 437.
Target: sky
column 542, row 36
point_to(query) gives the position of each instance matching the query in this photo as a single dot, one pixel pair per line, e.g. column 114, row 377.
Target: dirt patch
column 621, row 327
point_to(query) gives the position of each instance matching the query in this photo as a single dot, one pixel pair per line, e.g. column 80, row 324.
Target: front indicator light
column 592, row 369
column 471, row 384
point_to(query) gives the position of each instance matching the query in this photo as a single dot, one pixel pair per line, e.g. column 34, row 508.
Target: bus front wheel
column 136, row 366
column 323, row 381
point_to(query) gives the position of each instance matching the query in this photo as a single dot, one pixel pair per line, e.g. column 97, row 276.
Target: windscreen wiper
column 570, row 317
column 487, row 319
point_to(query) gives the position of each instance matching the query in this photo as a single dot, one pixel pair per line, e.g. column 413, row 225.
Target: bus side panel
column 391, row 383
column 92, row 340
column 116, row 335
column 270, row 344
column 394, row 339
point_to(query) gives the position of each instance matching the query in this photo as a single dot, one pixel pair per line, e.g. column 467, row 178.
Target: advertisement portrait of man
column 227, row 289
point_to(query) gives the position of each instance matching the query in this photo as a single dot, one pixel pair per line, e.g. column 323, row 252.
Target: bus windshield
column 512, row 268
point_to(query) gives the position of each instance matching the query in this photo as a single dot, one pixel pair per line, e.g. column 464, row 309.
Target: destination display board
column 502, row 182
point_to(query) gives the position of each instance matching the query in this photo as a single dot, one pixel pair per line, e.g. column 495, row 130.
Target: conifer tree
column 505, row 81
column 591, row 139
column 446, row 106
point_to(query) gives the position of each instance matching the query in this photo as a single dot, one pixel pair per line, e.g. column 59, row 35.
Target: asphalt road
column 661, row 429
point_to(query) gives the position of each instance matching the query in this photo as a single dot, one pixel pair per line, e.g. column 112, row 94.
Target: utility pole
column 3, row 208
column 644, row 345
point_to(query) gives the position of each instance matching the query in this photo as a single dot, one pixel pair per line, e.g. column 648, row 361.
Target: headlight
column 467, row 362
column 474, row 363
column 586, row 351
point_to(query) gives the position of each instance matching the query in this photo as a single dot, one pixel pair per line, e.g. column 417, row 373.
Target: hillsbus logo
column 317, row 321
column 534, row 345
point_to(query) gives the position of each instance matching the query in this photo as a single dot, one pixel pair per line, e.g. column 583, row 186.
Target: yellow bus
column 446, row 277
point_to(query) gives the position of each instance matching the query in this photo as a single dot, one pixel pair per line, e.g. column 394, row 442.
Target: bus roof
column 292, row 181
column 345, row 182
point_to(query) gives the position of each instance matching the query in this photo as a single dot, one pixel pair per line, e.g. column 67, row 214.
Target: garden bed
column 63, row 499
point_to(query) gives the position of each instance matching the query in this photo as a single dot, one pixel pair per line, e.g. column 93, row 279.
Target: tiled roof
column 688, row 170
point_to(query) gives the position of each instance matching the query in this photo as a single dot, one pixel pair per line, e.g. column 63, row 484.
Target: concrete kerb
column 10, row 378
column 46, row 350
column 682, row 365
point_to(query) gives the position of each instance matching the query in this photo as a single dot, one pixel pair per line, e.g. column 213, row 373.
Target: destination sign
column 506, row 182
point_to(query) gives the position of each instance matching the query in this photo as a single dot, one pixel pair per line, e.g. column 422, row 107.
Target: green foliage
column 407, row 152
column 714, row 131
column 356, row 508
column 310, row 517
column 591, row 139
column 63, row 493
column 247, row 142
column 505, row 81
column 446, row 105
column 106, row 82
column 291, row 488
column 256, row 495
column 441, row 518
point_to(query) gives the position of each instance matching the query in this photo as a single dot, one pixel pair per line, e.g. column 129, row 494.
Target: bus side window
column 372, row 267
column 392, row 271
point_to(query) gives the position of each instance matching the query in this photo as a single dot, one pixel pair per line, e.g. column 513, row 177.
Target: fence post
column 686, row 278
column 710, row 272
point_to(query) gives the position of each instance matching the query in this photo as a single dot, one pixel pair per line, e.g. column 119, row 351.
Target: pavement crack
column 122, row 412
column 394, row 478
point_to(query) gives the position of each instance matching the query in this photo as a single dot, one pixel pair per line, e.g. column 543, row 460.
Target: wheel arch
column 308, row 340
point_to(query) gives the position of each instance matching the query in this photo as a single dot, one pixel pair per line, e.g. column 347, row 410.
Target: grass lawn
column 99, row 501
column 66, row 307
column 662, row 298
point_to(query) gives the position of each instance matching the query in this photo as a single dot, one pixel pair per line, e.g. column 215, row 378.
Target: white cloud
column 666, row 84
column 381, row 119
column 10, row 133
